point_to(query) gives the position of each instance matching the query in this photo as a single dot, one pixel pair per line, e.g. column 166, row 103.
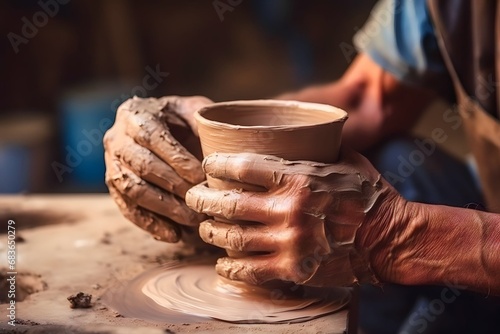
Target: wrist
column 382, row 236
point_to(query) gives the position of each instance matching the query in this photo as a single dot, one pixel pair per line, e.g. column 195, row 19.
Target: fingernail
column 208, row 161
column 206, row 233
column 223, row 267
column 190, row 199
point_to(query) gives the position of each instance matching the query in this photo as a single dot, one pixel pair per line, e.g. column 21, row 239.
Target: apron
column 468, row 33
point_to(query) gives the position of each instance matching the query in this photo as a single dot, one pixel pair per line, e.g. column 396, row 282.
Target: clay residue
column 148, row 122
column 192, row 292
column 80, row 300
column 25, row 284
column 333, row 199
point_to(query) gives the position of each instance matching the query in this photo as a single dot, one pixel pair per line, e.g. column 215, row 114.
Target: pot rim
column 342, row 114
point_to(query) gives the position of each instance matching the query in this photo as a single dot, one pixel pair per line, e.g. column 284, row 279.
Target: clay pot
column 288, row 129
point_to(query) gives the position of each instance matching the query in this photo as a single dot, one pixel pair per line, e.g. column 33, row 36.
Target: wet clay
column 193, row 292
column 148, row 170
column 288, row 129
column 332, row 203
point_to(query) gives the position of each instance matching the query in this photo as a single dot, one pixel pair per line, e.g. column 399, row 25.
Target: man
column 418, row 51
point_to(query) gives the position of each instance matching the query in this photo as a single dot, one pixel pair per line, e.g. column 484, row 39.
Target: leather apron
column 468, row 33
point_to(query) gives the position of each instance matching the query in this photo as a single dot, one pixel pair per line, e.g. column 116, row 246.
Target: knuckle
column 276, row 208
column 142, row 127
column 229, row 205
column 235, row 238
column 168, row 102
column 133, row 191
column 217, row 163
column 140, row 160
column 112, row 168
column 125, row 106
column 108, row 179
column 143, row 134
column 244, row 160
column 129, row 186
column 147, row 161
column 108, row 138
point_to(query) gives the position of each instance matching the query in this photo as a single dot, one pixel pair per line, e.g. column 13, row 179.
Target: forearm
column 446, row 245
column 322, row 93
column 378, row 104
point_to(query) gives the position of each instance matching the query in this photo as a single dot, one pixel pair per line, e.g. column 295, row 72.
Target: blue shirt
column 399, row 36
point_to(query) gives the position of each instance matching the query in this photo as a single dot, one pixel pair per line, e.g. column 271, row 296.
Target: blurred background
column 66, row 65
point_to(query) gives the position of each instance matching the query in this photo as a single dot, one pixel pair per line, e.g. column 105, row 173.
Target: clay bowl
column 288, row 129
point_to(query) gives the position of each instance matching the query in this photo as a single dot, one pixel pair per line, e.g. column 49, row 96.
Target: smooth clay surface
column 288, row 129
column 195, row 290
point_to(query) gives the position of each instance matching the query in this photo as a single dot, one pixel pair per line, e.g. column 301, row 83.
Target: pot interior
column 269, row 115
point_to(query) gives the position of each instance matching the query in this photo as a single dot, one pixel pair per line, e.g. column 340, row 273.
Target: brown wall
column 246, row 52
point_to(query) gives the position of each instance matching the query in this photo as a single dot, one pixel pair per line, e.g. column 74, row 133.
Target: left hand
column 151, row 161
column 309, row 218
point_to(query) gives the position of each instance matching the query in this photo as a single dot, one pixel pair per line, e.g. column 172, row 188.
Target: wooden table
column 71, row 243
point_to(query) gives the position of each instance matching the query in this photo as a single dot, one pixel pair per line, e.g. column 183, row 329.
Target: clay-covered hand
column 308, row 219
column 151, row 161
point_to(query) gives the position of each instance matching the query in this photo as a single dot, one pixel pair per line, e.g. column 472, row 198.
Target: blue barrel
column 86, row 114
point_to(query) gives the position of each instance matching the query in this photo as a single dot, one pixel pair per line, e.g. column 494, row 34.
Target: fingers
column 250, row 168
column 253, row 270
column 155, row 136
column 241, row 238
column 161, row 228
column 231, row 204
column 147, row 196
column 187, row 106
column 149, row 167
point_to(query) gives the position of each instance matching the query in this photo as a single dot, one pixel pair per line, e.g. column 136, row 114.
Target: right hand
column 315, row 224
column 148, row 171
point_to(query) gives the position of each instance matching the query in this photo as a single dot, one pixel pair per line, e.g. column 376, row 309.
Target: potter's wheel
column 190, row 292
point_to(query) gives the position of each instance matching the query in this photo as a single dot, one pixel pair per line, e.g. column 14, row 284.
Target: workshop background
column 66, row 65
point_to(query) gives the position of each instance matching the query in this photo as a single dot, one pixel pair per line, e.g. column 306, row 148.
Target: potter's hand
column 148, row 171
column 309, row 217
